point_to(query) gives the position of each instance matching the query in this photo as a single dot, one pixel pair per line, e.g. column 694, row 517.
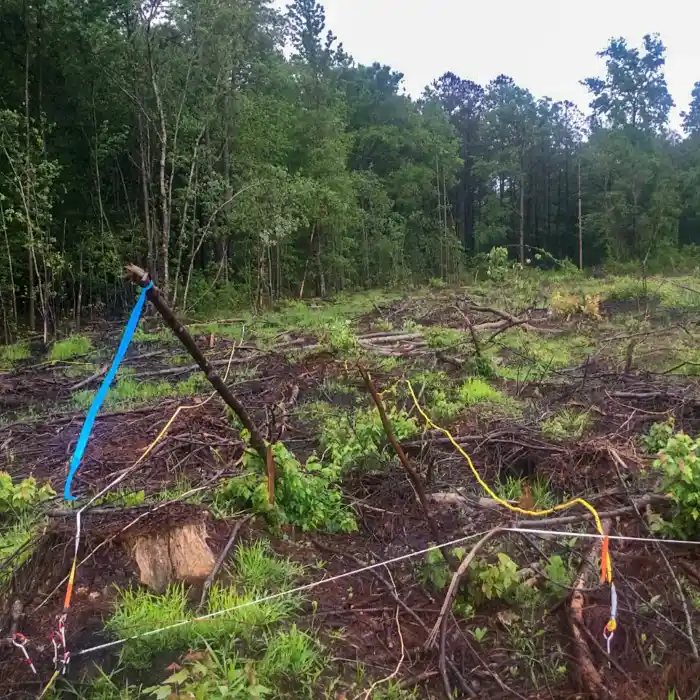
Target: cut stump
column 180, row 554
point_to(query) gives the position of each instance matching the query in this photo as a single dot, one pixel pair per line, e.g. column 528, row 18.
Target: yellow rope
column 607, row 564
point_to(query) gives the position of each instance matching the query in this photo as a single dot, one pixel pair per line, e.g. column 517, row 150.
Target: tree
column 634, row 91
column 691, row 118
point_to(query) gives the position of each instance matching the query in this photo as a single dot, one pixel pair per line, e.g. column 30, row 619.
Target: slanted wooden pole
column 140, row 277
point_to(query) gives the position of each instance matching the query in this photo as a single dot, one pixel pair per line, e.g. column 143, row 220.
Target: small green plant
column 658, row 436
column 679, row 465
column 358, row 439
column 123, row 497
column 475, row 390
column 17, row 500
column 558, row 575
column 307, row 496
column 567, row 424
column 494, row 581
column 338, row 335
column 479, row 633
column 75, row 346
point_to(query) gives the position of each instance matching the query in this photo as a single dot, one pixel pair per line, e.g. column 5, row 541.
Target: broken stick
column 140, row 277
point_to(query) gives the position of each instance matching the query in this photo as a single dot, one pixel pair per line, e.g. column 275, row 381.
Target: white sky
column 546, row 46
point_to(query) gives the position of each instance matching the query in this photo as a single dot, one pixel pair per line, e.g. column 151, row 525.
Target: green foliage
column 18, row 499
column 307, row 496
column 69, row 348
column 475, row 390
column 437, row 395
column 567, row 424
column 498, row 265
column 14, row 538
column 439, row 337
column 12, row 354
column 679, row 465
column 351, row 440
column 127, row 392
column 138, row 611
column 494, row 581
column 658, row 436
column 559, row 576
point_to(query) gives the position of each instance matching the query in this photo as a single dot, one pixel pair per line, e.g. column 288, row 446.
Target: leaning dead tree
column 141, row 277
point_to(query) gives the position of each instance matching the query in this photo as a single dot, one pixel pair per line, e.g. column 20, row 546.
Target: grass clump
column 11, row 354
column 567, row 424
column 438, row 395
column 256, row 573
column 475, row 390
column 67, row 349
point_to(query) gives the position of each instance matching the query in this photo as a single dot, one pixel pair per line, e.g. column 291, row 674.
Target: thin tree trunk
column 580, row 220
column 306, row 266
column 9, row 264
column 522, row 217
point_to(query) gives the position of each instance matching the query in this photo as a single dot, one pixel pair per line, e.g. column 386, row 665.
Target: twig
column 412, row 474
column 222, row 558
column 92, row 378
column 368, row 694
column 440, row 625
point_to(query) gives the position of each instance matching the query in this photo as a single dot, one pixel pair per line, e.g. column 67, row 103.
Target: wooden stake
column 140, row 277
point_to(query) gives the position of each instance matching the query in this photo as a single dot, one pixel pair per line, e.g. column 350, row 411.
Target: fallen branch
column 441, row 623
column 222, row 558
column 410, row 471
column 591, row 680
column 92, row 378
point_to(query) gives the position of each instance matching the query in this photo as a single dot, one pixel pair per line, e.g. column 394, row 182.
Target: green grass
column 476, row 390
column 127, row 392
column 11, row 354
column 512, row 489
column 13, row 537
column 255, row 572
column 438, row 337
column 75, row 346
column 567, row 424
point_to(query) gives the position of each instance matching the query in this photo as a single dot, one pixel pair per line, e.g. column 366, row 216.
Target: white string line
column 370, row 567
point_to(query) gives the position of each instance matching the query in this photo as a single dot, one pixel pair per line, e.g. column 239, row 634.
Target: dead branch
column 92, row 378
column 222, row 558
column 441, row 623
column 140, row 277
column 590, row 677
column 410, row 471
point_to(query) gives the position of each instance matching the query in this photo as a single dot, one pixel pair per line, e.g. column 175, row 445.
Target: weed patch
column 67, row 349
column 12, row 354
column 567, row 424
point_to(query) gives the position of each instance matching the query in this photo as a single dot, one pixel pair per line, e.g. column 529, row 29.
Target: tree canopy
column 182, row 135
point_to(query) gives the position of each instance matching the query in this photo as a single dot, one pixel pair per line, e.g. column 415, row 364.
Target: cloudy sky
column 545, row 45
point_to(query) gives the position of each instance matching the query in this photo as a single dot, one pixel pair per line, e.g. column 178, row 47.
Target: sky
column 546, row 46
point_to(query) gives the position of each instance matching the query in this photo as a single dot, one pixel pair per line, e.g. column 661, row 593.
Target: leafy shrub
column 498, row 264
column 679, row 465
column 493, row 581
column 565, row 304
column 17, row 500
column 658, row 436
column 352, row 440
column 307, row 496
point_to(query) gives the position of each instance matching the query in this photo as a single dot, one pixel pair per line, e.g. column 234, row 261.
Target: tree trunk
column 580, row 220
column 522, row 217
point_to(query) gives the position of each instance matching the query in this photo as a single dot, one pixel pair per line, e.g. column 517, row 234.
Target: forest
column 242, row 155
